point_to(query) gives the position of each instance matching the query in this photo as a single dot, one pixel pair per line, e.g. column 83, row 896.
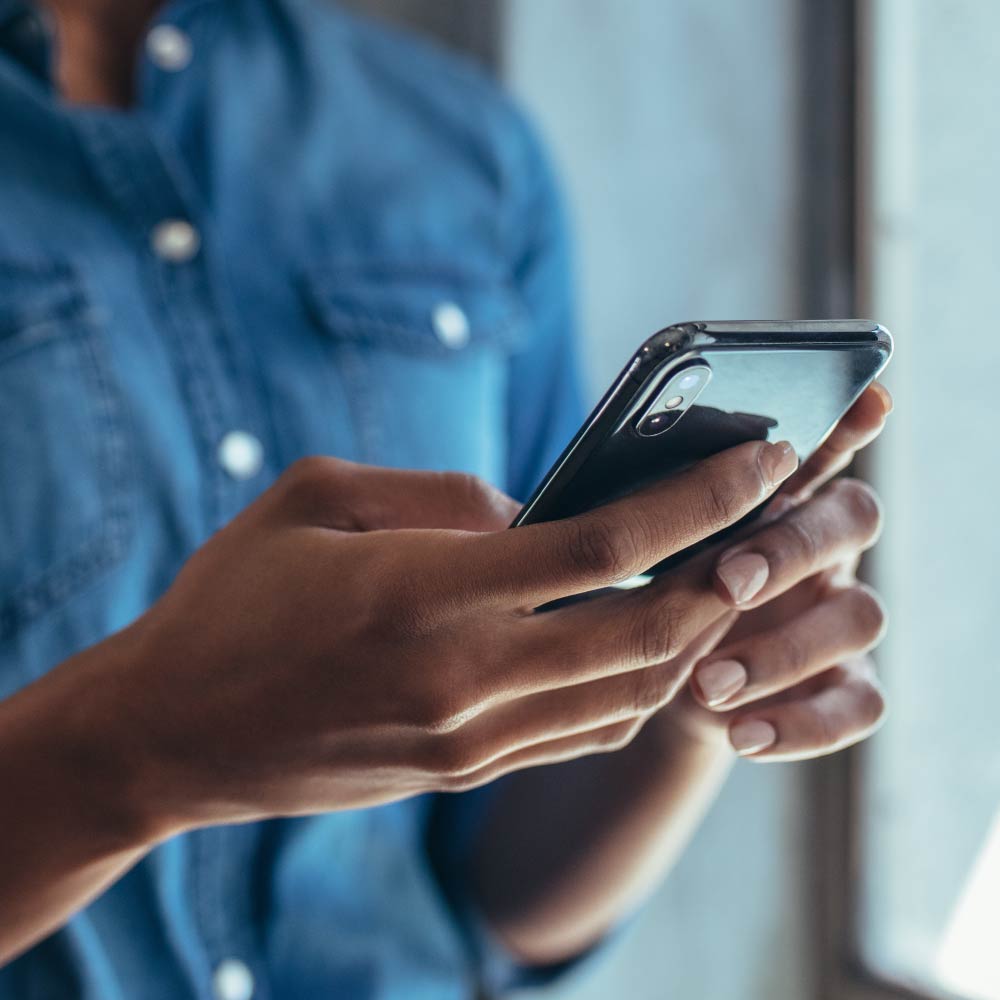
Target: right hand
column 360, row 635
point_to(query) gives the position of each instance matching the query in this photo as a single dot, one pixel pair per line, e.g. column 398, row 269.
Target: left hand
column 790, row 679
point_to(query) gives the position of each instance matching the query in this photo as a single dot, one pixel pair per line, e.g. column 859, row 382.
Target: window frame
column 843, row 97
column 836, row 831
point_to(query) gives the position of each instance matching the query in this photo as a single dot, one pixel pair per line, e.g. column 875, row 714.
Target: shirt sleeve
column 545, row 409
column 452, row 831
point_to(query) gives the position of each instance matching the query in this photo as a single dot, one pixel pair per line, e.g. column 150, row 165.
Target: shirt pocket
column 423, row 351
column 64, row 512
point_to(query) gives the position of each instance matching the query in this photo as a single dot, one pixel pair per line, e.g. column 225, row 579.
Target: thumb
column 347, row 496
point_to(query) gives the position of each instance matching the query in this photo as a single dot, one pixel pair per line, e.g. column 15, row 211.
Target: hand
column 605, row 829
column 335, row 647
column 791, row 679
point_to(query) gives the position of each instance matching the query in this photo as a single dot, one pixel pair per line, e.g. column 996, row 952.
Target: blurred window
column 928, row 830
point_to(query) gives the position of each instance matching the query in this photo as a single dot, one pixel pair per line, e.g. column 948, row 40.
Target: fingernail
column 743, row 575
column 720, row 680
column 777, row 461
column 752, row 736
column 884, row 396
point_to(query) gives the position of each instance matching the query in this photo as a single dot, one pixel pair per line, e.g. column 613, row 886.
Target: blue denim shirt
column 309, row 235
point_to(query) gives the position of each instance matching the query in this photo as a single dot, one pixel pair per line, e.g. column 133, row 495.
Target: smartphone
column 694, row 389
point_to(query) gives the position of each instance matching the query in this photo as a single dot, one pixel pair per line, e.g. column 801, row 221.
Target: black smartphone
column 694, row 389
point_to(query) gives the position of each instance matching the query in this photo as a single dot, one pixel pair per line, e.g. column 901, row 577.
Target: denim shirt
column 309, row 235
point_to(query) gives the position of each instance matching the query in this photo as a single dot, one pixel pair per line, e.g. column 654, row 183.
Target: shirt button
column 232, row 980
column 168, row 47
column 451, row 325
column 175, row 240
column 241, row 454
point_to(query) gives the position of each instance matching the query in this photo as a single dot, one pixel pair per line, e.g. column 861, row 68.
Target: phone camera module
column 673, row 398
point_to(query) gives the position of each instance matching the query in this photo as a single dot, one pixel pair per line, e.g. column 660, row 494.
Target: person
column 281, row 291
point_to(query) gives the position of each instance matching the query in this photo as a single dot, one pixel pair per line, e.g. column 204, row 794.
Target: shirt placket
column 173, row 235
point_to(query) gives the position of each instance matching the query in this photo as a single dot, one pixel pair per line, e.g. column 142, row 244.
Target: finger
column 843, row 708
column 347, row 496
column 829, row 529
column 574, row 700
column 620, row 632
column 528, row 721
column 557, row 751
column 848, row 623
column 537, row 563
column 862, row 423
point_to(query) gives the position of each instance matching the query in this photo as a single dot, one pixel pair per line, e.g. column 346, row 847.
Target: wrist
column 79, row 749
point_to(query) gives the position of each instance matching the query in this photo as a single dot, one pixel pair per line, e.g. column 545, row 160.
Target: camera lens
column 657, row 423
column 688, row 381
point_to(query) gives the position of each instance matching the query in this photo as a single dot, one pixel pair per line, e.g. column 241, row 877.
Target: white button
column 451, row 325
column 241, row 454
column 168, row 47
column 232, row 980
column 175, row 240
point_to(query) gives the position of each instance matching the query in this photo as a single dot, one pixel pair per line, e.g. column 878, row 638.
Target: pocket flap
column 417, row 308
column 33, row 294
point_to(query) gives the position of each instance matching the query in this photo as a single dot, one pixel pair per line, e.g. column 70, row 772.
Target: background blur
column 784, row 158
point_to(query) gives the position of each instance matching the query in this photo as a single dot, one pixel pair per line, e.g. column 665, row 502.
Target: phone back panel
column 766, row 384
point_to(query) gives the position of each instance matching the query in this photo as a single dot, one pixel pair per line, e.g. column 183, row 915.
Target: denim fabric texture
column 377, row 270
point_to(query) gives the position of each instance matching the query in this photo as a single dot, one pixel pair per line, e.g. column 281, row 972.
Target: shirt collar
column 26, row 30
column 24, row 34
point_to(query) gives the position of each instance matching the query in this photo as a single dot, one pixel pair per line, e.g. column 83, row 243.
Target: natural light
column 968, row 961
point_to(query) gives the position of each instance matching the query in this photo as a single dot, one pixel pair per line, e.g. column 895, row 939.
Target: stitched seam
column 61, row 288
column 361, row 324
column 362, row 405
column 105, row 546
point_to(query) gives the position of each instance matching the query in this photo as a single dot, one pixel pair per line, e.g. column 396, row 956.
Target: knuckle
column 868, row 614
column 634, row 728
column 650, row 690
column 474, row 492
column 654, row 634
column 793, row 654
column 466, row 782
column 645, row 692
column 863, row 505
column 308, row 481
column 442, row 710
column 794, row 541
column 604, row 548
column 719, row 502
column 450, row 756
column 312, row 472
column 615, row 737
